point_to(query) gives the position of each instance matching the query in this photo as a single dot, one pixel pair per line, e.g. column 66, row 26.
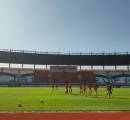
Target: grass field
column 58, row 101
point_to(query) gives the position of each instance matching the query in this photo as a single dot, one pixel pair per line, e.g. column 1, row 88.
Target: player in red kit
column 109, row 90
column 81, row 89
column 70, row 88
column 95, row 88
column 66, row 87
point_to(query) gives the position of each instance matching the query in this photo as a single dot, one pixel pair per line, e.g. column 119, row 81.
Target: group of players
column 86, row 90
column 92, row 88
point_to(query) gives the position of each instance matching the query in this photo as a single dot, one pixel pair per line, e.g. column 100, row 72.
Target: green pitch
column 42, row 99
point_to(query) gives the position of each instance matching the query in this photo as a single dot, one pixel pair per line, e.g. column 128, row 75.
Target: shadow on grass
column 121, row 98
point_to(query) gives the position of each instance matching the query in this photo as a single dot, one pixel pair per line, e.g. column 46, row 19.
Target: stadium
column 64, row 60
column 47, row 89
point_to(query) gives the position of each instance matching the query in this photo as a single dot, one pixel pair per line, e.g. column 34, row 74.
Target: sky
column 65, row 25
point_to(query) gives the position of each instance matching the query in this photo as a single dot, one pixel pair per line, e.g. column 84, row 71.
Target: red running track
column 65, row 116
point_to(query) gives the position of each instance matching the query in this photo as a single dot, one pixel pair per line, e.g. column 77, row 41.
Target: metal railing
column 63, row 53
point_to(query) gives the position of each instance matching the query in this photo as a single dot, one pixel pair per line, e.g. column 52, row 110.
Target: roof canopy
column 22, row 57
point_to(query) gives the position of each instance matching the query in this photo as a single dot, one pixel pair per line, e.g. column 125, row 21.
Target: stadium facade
column 63, row 67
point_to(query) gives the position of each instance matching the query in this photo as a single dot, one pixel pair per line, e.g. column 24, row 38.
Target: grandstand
column 63, row 67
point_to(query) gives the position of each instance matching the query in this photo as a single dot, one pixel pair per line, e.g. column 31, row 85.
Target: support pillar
column 91, row 67
column 9, row 65
column 115, row 67
column 128, row 67
column 46, row 66
column 22, row 66
column 34, row 66
column 80, row 67
column 103, row 67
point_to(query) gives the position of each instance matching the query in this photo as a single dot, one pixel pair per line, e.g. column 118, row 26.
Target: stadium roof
column 57, row 58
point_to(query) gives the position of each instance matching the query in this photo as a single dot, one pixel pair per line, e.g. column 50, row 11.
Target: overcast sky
column 65, row 25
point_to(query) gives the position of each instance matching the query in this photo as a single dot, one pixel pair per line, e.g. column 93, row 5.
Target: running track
column 65, row 116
